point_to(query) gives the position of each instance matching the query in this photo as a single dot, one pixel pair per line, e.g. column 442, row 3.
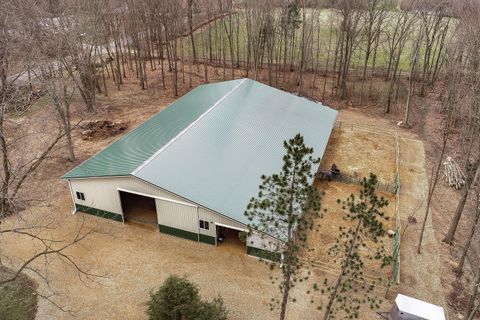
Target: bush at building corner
column 242, row 236
column 178, row 298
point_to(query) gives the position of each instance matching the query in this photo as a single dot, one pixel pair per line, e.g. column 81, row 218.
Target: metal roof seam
column 140, row 167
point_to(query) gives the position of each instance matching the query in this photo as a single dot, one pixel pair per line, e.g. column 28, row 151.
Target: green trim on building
column 263, row 254
column 99, row 212
column 207, row 239
column 178, row 232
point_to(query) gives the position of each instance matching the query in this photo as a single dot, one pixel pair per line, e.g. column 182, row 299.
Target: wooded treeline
column 341, row 45
column 357, row 51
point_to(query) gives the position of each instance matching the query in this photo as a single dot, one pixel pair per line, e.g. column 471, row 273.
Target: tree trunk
column 471, row 177
column 286, row 291
column 431, row 190
column 459, row 268
column 353, row 243
column 327, row 62
column 471, row 311
column 7, row 173
column 410, row 82
column 68, row 132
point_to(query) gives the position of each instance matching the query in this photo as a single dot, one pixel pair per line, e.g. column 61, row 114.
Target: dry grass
column 17, row 298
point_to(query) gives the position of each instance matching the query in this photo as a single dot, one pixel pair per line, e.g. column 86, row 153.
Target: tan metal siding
column 102, row 193
column 265, row 243
column 177, row 215
column 99, row 193
column 209, row 216
column 212, row 217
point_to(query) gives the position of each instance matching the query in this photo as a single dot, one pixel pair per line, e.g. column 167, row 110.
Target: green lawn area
column 324, row 23
column 17, row 299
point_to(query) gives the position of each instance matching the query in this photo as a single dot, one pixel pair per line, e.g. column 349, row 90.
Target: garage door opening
column 139, row 209
column 232, row 240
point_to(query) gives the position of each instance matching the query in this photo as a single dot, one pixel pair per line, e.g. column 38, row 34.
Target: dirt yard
column 377, row 154
column 420, row 273
column 136, row 260
column 358, row 152
column 325, row 238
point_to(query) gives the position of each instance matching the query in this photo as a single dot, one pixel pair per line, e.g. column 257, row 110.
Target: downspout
column 73, row 198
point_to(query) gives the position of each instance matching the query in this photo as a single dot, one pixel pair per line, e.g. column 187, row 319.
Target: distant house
column 192, row 168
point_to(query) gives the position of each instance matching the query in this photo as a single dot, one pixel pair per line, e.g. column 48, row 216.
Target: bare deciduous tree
column 473, row 228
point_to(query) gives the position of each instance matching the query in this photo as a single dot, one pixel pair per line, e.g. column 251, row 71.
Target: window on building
column 204, row 225
column 80, row 196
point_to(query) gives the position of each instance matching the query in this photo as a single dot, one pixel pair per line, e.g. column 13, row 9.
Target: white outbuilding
column 408, row 308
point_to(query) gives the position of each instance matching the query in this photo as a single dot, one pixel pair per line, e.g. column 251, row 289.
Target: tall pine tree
column 353, row 245
column 286, row 206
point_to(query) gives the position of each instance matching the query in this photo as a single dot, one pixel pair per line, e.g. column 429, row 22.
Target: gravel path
column 420, row 273
column 137, row 260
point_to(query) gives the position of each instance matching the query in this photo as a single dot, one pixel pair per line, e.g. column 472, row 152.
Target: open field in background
column 325, row 23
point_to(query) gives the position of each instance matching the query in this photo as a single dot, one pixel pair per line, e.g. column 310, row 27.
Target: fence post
column 397, row 211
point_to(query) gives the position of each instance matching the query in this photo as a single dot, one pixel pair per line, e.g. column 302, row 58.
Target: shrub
column 214, row 310
column 178, row 299
column 242, row 236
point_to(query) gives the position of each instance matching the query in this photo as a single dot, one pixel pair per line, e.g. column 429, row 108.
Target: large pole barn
column 192, row 168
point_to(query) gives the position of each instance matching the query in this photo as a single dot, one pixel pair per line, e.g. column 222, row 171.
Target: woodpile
column 101, row 129
column 453, row 174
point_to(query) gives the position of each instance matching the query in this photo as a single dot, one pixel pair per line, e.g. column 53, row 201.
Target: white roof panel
column 419, row 308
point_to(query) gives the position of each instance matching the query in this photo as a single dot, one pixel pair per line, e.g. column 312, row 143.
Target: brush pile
column 101, row 129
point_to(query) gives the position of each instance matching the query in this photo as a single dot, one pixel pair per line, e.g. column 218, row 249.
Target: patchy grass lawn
column 17, row 299
column 324, row 21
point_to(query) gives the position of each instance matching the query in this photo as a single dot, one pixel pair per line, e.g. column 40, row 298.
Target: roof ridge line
column 181, row 133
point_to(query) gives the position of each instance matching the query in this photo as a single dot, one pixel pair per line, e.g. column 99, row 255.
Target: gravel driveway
column 138, row 259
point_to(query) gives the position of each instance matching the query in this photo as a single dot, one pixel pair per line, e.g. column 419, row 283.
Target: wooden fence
column 393, row 188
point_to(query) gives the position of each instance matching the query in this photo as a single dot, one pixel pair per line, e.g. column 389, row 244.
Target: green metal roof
column 124, row 155
column 216, row 158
